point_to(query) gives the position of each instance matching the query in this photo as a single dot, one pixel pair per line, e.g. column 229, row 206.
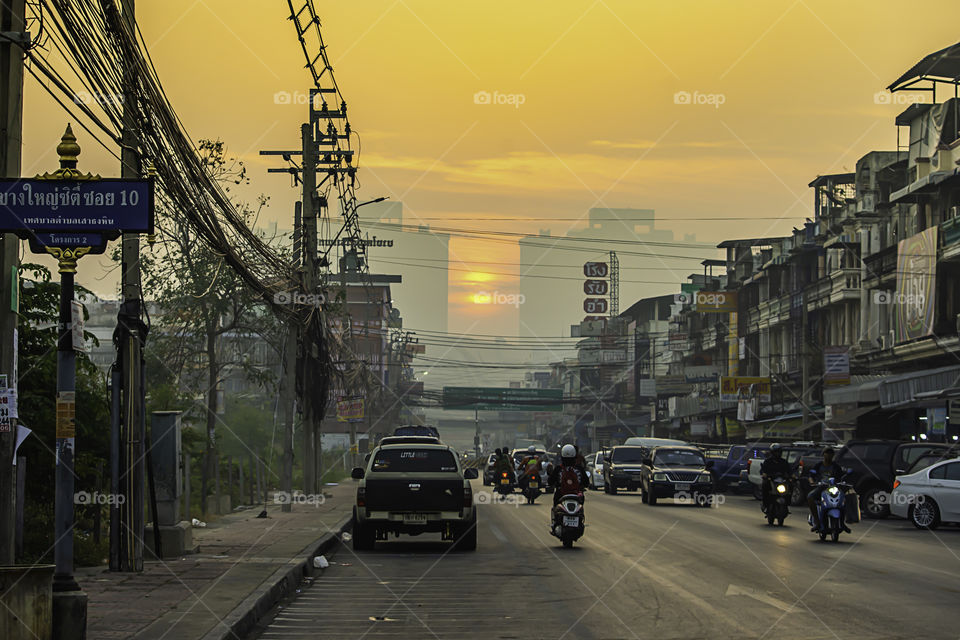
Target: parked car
column 622, row 468
column 930, row 496
column 595, row 470
column 488, row 470
column 932, row 458
column 414, row 489
column 874, row 464
column 677, row 472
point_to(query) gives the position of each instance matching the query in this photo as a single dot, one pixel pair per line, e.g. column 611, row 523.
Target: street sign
column 596, row 287
column 110, row 206
column 502, row 399
column 596, row 305
column 39, row 241
column 716, row 301
column 596, row 269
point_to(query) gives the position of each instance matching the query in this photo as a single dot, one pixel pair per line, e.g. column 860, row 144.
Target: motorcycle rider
column 502, row 463
column 528, row 466
column 774, row 466
column 568, row 467
column 822, row 472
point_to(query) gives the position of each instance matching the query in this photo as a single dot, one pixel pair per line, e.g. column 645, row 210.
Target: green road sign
column 502, row 399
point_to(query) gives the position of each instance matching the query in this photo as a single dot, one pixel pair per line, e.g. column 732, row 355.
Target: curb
column 278, row 586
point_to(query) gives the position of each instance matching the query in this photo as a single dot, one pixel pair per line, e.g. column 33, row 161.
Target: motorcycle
column 504, row 483
column 568, row 520
column 778, row 507
column 831, row 509
column 531, row 489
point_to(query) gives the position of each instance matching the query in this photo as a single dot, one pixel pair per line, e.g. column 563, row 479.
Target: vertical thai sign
column 916, row 277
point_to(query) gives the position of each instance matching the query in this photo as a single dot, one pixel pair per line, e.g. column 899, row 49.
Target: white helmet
column 532, row 449
column 568, row 451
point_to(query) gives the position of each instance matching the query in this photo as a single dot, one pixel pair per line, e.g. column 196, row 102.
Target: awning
column 849, row 418
column 863, row 393
column 900, row 391
column 943, row 65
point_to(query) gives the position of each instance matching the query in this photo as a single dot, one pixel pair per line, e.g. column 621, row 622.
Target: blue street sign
column 109, row 206
column 96, row 241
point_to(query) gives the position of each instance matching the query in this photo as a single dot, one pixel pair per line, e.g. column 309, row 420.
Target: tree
column 212, row 324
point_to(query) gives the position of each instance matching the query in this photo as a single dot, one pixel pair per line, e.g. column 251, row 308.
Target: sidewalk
column 243, row 566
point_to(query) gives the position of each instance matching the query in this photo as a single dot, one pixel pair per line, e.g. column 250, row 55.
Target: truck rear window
column 414, row 460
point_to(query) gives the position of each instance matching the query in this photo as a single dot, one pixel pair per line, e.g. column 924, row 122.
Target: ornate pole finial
column 67, row 257
column 68, row 149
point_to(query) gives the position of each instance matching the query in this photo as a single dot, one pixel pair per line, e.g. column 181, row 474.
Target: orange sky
column 598, row 124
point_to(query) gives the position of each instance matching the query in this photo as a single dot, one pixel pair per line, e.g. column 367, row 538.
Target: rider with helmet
column 822, row 472
column 529, row 466
column 568, row 473
column 773, row 467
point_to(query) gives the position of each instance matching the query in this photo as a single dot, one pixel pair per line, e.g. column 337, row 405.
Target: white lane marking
column 498, row 533
column 734, row 590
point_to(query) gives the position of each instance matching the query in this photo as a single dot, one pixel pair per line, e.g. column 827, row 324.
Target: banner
column 916, row 280
column 716, row 301
column 730, row 387
column 350, row 410
column 836, row 365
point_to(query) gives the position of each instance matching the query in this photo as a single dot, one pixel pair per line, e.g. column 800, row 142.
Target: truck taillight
column 467, row 497
column 749, row 463
column 361, row 497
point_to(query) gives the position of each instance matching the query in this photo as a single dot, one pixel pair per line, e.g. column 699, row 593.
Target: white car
column 928, row 497
column 595, row 469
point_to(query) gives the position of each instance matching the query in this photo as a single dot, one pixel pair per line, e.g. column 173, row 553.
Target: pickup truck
column 414, row 489
column 728, row 462
column 793, row 454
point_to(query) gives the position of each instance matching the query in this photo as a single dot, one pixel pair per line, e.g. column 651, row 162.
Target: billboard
column 836, row 365
column 502, row 399
column 350, row 410
column 916, row 279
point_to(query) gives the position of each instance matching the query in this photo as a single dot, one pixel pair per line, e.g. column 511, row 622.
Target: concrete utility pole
column 805, row 360
column 127, row 523
column 13, row 26
column 311, row 210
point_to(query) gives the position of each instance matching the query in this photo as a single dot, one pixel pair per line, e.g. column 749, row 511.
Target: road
column 669, row 571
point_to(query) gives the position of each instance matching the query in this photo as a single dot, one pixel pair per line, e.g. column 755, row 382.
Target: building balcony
column 950, row 239
column 845, row 285
column 881, row 265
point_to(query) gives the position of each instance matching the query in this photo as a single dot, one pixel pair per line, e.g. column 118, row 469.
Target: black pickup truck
column 414, row 488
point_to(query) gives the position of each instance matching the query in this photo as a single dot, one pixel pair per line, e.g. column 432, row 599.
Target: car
column 682, row 473
column 930, row 496
column 416, row 430
column 931, row 458
column 488, row 469
column 595, row 470
column 414, row 488
column 639, row 441
column 622, row 468
column 728, row 462
column 874, row 465
column 409, row 440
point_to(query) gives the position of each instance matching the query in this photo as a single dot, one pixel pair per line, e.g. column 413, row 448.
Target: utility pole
column 127, row 519
column 13, row 26
column 289, row 382
column 311, row 427
column 805, row 360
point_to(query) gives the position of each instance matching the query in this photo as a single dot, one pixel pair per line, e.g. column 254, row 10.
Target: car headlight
column 781, row 488
column 660, row 477
column 705, row 477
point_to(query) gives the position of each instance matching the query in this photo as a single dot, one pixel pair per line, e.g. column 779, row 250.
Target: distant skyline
column 701, row 111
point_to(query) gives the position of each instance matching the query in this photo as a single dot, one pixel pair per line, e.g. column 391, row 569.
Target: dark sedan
column 681, row 473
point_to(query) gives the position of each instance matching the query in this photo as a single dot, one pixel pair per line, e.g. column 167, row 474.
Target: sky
column 495, row 111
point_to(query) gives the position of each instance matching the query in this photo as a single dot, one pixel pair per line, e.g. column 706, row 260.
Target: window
column 952, row 471
column 866, row 452
column 627, row 455
column 414, row 460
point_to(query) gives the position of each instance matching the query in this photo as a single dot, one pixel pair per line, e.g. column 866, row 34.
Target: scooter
column 831, row 510
column 568, row 520
column 504, row 484
column 532, row 489
column 779, row 506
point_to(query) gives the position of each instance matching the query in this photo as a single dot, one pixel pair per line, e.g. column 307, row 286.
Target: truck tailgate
column 414, row 494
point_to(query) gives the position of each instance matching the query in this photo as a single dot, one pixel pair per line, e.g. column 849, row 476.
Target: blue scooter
column 831, row 510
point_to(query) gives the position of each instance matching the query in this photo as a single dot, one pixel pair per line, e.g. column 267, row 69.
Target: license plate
column 571, row 522
column 534, row 485
column 504, row 481
column 682, row 486
column 415, row 518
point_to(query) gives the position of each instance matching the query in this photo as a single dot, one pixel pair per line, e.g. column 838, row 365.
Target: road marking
column 498, row 533
column 734, row 590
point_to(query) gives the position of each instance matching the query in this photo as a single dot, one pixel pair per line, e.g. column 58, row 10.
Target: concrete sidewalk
column 244, row 566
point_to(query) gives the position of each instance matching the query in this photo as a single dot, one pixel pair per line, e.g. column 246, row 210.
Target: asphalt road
column 669, row 571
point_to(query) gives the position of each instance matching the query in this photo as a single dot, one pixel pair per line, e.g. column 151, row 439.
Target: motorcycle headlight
column 781, row 488
column 833, row 491
column 660, row 477
column 704, row 477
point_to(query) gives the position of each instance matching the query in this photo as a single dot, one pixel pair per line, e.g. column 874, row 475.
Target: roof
column 912, row 112
column 710, row 262
column 750, row 242
column 842, row 178
column 940, row 66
